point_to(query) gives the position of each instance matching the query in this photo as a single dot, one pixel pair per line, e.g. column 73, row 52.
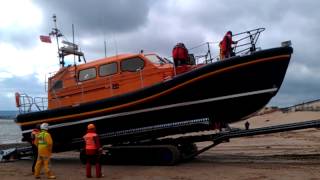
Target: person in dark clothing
column 180, row 54
column 34, row 147
column 246, row 125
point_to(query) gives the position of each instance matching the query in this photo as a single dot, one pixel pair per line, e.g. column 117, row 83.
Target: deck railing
column 244, row 43
column 27, row 104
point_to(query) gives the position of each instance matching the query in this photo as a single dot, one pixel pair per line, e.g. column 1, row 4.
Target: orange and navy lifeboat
column 133, row 97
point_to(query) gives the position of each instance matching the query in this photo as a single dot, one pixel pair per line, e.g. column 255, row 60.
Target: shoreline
column 14, row 145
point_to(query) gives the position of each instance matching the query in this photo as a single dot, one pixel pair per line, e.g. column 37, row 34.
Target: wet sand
column 287, row 155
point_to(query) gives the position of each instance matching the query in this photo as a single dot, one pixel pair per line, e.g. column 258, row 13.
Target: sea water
column 9, row 132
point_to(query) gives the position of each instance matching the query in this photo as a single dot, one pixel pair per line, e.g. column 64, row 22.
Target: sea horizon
column 8, row 114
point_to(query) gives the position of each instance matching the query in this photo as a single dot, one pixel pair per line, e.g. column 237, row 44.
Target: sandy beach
column 288, row 155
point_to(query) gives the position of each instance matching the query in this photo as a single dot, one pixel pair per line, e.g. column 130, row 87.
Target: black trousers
column 34, row 156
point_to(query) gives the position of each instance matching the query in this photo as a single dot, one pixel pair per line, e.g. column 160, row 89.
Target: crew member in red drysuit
column 180, row 54
column 225, row 46
column 93, row 150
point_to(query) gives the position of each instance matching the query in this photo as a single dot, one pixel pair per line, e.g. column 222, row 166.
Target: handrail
column 248, row 41
column 245, row 43
column 28, row 104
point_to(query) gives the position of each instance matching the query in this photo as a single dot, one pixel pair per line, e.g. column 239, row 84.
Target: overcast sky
column 155, row 26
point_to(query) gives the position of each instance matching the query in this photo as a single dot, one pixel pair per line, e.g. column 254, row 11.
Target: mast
column 68, row 48
column 56, row 32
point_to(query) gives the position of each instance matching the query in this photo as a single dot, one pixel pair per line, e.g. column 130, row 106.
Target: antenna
column 104, row 34
column 74, row 47
column 105, row 47
column 116, row 46
column 209, row 52
column 56, row 32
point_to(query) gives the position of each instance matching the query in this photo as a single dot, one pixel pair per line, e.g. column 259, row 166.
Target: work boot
column 51, row 177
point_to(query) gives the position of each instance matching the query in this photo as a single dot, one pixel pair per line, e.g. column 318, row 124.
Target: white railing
column 27, row 103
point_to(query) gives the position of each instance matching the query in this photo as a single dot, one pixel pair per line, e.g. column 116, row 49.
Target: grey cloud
column 89, row 18
column 27, row 84
column 21, row 38
column 96, row 16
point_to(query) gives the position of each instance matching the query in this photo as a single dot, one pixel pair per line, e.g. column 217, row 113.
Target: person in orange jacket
column 225, row 46
column 34, row 147
column 93, row 150
column 44, row 143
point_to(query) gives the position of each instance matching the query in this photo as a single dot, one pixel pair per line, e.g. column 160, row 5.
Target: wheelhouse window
column 108, row 69
column 155, row 59
column 132, row 64
column 57, row 85
column 87, row 74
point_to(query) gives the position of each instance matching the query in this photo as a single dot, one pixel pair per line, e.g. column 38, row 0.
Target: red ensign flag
column 45, row 39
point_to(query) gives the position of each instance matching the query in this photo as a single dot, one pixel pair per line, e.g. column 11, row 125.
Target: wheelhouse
column 107, row 77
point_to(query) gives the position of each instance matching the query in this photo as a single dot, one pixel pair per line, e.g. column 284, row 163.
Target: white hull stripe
column 271, row 90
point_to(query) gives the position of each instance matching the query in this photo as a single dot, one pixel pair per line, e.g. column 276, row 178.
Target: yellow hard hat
column 91, row 126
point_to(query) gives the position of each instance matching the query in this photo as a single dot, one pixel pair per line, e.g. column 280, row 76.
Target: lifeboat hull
column 226, row 91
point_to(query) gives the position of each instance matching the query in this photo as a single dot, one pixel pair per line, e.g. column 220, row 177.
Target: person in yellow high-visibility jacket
column 44, row 144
